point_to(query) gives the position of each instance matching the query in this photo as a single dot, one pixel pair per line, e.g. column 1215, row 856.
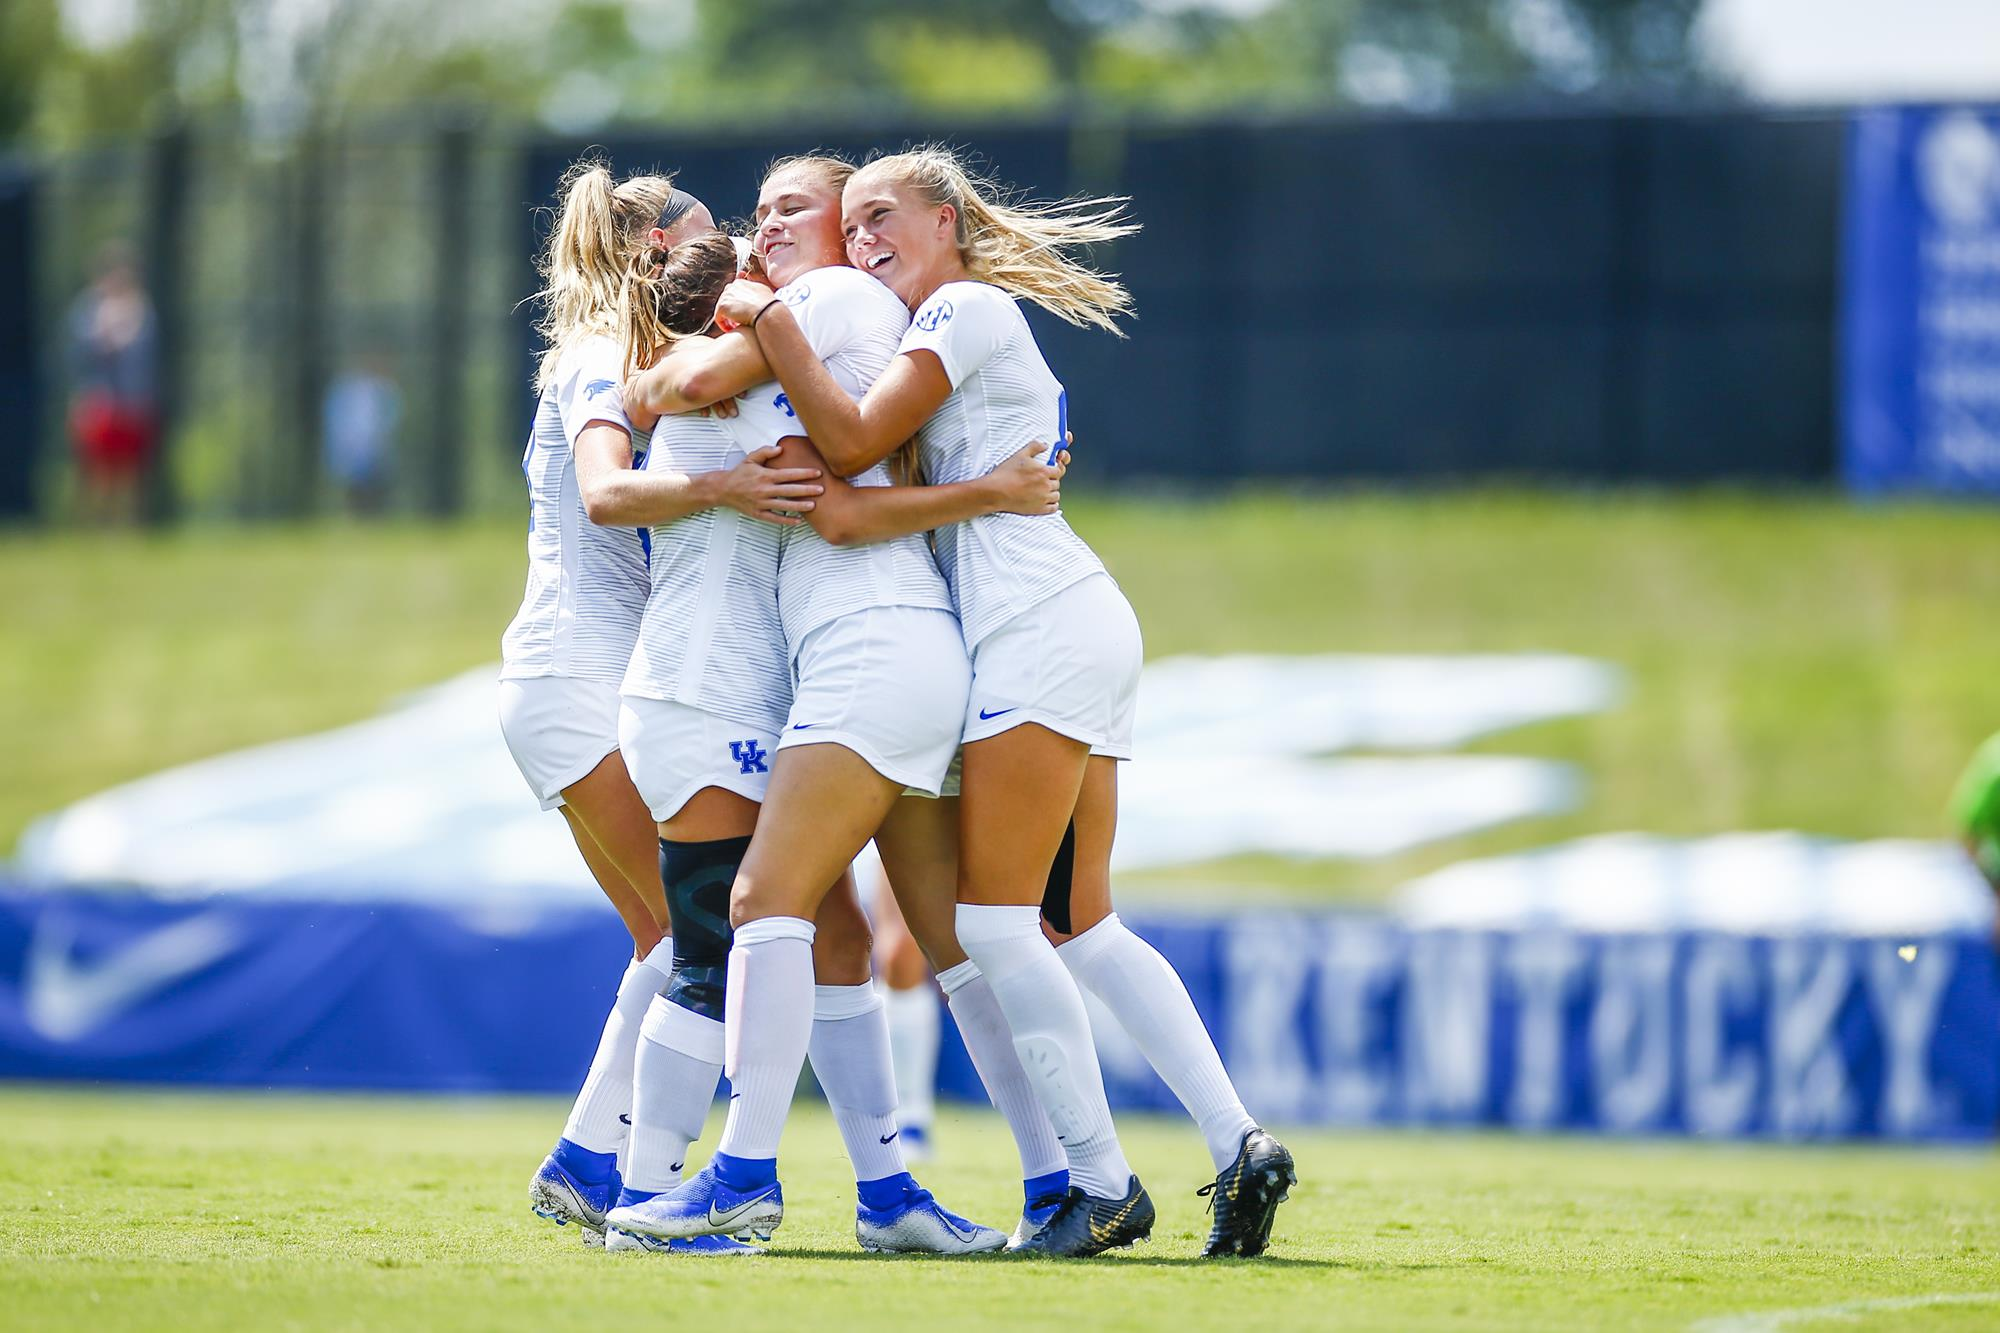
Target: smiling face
column 899, row 236
column 797, row 223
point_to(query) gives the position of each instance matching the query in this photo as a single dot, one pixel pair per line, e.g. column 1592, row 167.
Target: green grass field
column 142, row 1210
column 1793, row 662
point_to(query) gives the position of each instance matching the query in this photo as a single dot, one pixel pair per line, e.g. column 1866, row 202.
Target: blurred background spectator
column 111, row 377
column 364, row 409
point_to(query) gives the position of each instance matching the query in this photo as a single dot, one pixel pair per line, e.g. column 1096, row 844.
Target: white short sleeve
column 835, row 306
column 964, row 323
column 590, row 389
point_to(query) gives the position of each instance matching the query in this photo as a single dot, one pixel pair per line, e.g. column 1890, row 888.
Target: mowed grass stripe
column 153, row 1209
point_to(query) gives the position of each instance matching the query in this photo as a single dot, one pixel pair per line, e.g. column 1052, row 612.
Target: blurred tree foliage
column 71, row 70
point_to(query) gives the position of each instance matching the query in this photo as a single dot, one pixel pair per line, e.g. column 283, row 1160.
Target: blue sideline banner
column 1322, row 1018
column 1920, row 314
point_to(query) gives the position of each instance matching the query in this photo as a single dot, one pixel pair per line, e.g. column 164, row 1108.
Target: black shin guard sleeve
column 697, row 877
column 1055, row 898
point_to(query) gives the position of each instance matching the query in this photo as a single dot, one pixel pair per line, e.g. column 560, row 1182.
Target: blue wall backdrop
column 1597, row 297
column 1321, row 1017
column 1921, row 311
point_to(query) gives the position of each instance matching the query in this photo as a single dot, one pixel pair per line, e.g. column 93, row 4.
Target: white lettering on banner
column 1721, row 1094
column 1631, row 1032
column 1447, row 1015
column 1361, row 961
column 1266, row 970
column 1907, row 996
column 1542, row 966
column 1810, row 980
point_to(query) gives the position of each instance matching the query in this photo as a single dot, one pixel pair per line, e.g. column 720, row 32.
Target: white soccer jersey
column 1003, row 398
column 854, row 324
column 586, row 584
column 710, row 637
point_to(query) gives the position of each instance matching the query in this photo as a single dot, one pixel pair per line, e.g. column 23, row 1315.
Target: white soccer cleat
column 918, row 1225
column 617, row 1239
column 703, row 1206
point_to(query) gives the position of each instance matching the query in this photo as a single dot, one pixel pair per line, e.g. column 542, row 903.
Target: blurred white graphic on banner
column 425, row 803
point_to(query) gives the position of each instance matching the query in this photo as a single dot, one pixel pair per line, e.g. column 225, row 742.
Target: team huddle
column 799, row 579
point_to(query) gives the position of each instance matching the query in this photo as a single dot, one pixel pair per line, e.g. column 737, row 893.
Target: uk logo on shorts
column 934, row 316
column 749, row 756
column 784, row 404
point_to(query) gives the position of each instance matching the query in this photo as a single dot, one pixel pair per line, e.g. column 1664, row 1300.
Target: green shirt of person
column 1975, row 809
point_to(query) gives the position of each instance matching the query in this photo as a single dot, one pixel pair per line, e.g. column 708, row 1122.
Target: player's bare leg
column 1019, row 789
column 919, row 847
column 1254, row 1172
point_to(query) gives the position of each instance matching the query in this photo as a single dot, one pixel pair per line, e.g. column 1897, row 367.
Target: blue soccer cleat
column 616, row 1239
column 899, row 1216
column 575, row 1185
column 1041, row 1196
column 703, row 1206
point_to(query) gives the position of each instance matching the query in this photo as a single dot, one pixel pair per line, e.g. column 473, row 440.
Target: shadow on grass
column 1119, row 1260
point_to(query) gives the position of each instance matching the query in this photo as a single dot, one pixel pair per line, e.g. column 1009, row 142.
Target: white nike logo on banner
column 63, row 999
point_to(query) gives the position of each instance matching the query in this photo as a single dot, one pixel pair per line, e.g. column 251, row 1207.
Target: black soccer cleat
column 1086, row 1225
column 1245, row 1197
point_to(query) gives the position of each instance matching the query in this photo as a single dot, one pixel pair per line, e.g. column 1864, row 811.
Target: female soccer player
column 566, row 650
column 879, row 715
column 1054, row 646
column 712, row 670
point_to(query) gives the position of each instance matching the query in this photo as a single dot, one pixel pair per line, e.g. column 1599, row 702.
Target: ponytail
column 597, row 271
column 1022, row 246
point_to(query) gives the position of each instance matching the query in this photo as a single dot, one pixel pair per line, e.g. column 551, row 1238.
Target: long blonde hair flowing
column 1022, row 246
column 599, row 274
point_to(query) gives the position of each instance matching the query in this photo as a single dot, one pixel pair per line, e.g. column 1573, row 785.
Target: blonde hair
column 832, row 170
column 1021, row 246
column 599, row 274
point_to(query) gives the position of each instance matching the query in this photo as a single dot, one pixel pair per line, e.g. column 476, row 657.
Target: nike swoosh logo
column 624, row 1119
column 887, row 1137
column 726, row 1220
column 734, row 1095
column 677, row 1166
column 804, row 726
column 1109, row 1229
column 64, row 999
column 985, row 716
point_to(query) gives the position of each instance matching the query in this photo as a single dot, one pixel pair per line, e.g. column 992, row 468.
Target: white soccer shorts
column 1070, row 662
column 558, row 729
column 890, row 684
column 673, row 750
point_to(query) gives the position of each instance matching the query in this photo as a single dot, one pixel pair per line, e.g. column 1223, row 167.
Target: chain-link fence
column 296, row 284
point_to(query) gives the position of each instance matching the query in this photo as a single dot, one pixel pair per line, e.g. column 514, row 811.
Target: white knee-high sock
column 597, row 1121
column 679, row 1062
column 1052, row 1036
column 769, row 1012
column 913, row 1053
column 850, row 1058
column 1146, row 995
column 977, row 1012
